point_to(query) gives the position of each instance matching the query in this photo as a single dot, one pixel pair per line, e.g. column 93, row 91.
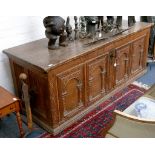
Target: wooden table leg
column 20, row 124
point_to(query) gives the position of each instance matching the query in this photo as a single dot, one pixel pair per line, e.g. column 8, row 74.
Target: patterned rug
column 90, row 125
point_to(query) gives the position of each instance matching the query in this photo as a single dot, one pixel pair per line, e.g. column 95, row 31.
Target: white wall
column 16, row 30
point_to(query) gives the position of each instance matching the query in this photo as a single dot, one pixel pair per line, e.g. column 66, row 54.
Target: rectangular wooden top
column 6, row 98
column 36, row 53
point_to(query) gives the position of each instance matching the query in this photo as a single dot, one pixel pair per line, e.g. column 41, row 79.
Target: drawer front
column 7, row 110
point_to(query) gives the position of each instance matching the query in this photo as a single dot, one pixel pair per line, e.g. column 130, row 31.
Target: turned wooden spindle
column 26, row 99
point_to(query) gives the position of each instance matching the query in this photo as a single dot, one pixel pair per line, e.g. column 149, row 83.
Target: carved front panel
column 97, row 78
column 71, row 91
column 122, row 63
column 137, row 55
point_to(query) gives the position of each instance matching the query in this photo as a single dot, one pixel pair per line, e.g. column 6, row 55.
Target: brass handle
column 115, row 64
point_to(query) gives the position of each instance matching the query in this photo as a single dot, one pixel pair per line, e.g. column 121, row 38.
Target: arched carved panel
column 122, row 63
column 71, row 91
column 97, row 77
column 137, row 55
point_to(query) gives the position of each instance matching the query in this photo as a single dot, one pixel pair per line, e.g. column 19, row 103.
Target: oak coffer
column 67, row 83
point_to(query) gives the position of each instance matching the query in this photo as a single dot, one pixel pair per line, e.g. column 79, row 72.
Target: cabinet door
column 71, row 91
column 97, row 78
column 122, row 63
column 137, row 55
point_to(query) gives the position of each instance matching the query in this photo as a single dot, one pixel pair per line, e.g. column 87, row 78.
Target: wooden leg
column 20, row 124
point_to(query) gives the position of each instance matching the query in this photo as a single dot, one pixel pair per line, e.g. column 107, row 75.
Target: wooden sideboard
column 67, row 83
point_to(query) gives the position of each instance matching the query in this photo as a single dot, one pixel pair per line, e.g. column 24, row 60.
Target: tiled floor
column 9, row 128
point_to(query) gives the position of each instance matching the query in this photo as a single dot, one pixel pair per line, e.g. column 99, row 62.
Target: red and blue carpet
column 90, row 125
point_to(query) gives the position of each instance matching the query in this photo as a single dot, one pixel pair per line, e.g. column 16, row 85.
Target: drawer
column 7, row 110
